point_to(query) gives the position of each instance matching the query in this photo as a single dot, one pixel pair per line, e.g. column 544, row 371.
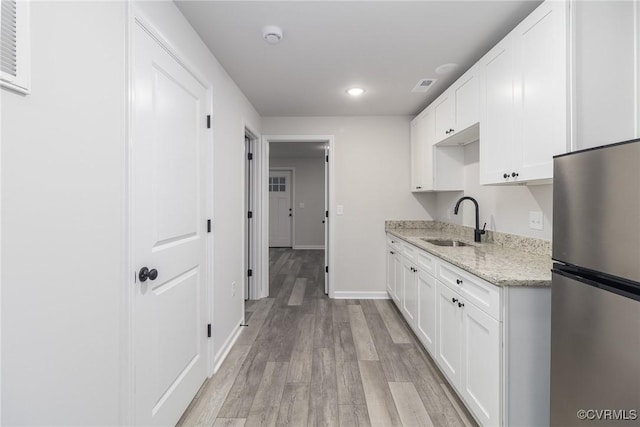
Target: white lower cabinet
column 391, row 271
column 480, row 373
column 426, row 322
column 491, row 343
column 410, row 292
column 449, row 333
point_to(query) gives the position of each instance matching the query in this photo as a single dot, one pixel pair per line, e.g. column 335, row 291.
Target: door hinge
column 326, row 214
column 209, row 330
column 208, row 226
column 326, row 269
column 209, row 122
column 250, row 272
column 250, row 156
column 249, row 214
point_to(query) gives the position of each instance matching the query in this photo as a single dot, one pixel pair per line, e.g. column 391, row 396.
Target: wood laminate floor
column 307, row 360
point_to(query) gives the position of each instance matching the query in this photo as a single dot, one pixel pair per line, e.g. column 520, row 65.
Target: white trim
column 209, row 244
column 360, row 295
column 264, row 248
column 249, row 129
column 127, row 373
column 135, row 16
column 292, row 199
column 308, row 247
column 226, row 347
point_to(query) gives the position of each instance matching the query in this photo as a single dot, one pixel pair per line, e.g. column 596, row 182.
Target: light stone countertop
column 495, row 263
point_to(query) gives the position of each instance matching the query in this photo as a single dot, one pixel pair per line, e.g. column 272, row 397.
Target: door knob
column 145, row 274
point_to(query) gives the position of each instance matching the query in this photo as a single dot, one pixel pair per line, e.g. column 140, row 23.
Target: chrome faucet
column 477, row 232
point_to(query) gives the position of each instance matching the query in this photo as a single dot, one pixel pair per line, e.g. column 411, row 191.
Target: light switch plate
column 536, row 220
column 339, row 209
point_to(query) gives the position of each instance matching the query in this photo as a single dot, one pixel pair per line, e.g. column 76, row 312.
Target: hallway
column 307, row 360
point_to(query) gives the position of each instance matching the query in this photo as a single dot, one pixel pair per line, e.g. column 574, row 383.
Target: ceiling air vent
column 423, row 85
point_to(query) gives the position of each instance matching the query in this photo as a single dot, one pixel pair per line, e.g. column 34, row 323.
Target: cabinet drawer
column 426, row 262
column 394, row 242
column 483, row 294
column 410, row 251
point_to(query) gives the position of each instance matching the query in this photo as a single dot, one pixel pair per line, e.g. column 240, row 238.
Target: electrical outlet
column 233, row 289
column 535, row 220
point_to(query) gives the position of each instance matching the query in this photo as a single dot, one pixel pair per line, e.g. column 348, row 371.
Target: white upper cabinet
column 421, row 157
column 457, row 111
column 497, row 97
column 467, row 97
column 445, row 115
column 433, row 168
column 523, row 99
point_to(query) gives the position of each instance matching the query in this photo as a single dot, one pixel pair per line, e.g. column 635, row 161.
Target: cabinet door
column 397, row 289
column 426, row 322
column 467, row 100
column 444, row 115
column 497, row 113
column 541, row 122
column 410, row 292
column 418, row 136
column 480, row 382
column 449, row 333
column 422, row 135
column 391, row 274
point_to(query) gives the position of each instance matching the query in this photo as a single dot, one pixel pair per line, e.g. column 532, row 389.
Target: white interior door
column 168, row 155
column 280, row 208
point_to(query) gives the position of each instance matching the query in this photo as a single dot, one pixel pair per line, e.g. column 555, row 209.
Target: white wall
column 503, row 208
column 372, row 180
column 62, row 211
column 607, row 72
column 309, row 190
column 63, row 179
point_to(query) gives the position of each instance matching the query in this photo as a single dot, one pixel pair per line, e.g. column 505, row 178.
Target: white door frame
column 263, row 207
column 135, row 16
column 292, row 199
column 254, row 253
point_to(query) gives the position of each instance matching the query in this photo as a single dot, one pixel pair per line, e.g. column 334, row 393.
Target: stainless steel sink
column 443, row 242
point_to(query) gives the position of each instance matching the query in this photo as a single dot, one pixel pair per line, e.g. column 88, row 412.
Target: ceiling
column 329, row 46
column 296, row 150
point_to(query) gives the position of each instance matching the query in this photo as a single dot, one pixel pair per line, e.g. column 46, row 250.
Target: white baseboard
column 360, row 295
column 303, row 247
column 226, row 348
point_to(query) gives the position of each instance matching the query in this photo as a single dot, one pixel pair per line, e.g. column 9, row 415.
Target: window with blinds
column 14, row 45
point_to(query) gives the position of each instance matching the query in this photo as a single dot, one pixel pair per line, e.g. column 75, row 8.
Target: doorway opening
column 297, row 198
column 281, row 202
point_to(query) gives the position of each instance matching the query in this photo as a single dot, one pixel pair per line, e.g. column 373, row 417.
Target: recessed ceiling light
column 446, row 68
column 355, row 91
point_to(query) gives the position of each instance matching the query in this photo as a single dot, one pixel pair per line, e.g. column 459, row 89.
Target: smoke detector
column 423, row 85
column 272, row 34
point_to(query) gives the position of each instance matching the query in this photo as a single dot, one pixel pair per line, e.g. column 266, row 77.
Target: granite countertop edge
column 515, row 260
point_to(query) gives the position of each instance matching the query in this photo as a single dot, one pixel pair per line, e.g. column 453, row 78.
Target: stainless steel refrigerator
column 595, row 302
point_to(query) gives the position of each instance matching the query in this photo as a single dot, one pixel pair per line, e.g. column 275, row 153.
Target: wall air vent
column 423, row 85
column 14, row 45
